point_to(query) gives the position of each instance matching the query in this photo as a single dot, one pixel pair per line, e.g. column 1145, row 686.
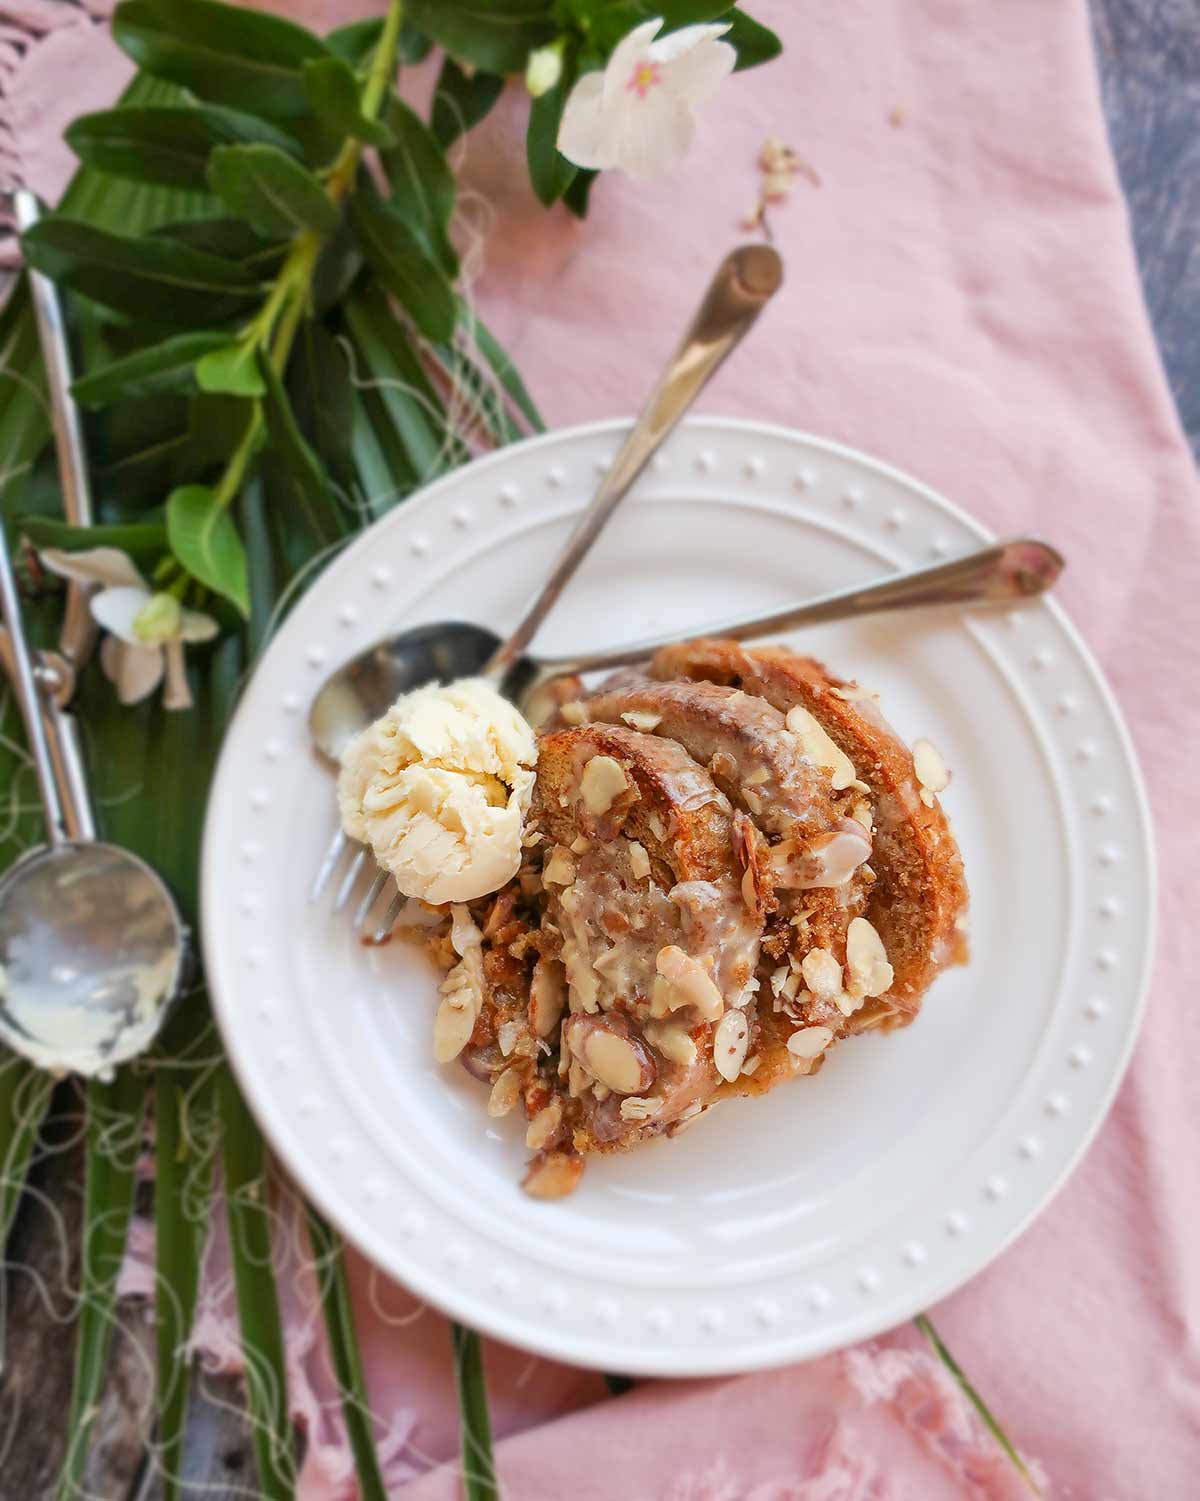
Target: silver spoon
column 91, row 943
column 743, row 284
column 360, row 691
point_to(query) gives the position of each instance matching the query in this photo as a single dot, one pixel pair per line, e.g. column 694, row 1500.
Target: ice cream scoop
column 438, row 787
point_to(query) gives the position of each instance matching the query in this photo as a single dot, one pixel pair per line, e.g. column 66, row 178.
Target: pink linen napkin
column 962, row 301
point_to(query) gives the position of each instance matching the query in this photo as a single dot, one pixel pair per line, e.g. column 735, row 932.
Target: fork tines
column 360, row 873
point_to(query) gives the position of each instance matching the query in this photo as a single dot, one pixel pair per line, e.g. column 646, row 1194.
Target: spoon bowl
column 91, row 953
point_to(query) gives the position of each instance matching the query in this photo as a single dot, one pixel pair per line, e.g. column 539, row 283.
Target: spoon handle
column 744, row 282
column 21, row 672
column 1006, row 571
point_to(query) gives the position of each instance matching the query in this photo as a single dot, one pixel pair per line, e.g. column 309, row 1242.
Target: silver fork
column 744, row 282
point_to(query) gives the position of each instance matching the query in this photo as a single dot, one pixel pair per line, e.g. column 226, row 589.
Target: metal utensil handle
column 744, row 282
column 28, row 699
column 78, row 635
column 1016, row 569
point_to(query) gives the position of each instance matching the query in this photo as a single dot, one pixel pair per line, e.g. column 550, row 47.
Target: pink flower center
column 643, row 78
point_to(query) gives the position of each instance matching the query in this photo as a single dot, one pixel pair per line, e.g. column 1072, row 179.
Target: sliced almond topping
column 808, row 1042
column 866, row 959
column 621, row 1063
column 674, row 1043
column 582, row 984
column 686, row 1119
column 693, row 983
column 642, row 719
column 574, row 712
column 657, row 827
column 552, row 1176
column 635, row 1108
column 505, row 1092
column 508, row 1034
column 457, row 1013
column 750, row 888
column 730, row 1042
column 547, row 996
column 931, row 769
column 581, row 845
column 603, row 780
column 852, row 693
column 751, row 1064
column 639, row 860
column 559, row 870
column 578, row 1079
column 544, row 1126
column 533, row 838
column 756, row 778
column 822, row 973
column 820, row 748
column 827, row 860
column 861, row 814
column 752, row 799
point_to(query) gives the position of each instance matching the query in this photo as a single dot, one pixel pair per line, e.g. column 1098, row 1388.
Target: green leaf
column 549, row 170
column 163, row 367
column 753, row 42
column 355, row 41
column 229, row 54
column 402, row 263
column 115, row 1132
column 144, row 541
column 270, row 189
column 318, row 378
column 506, row 373
column 414, row 46
column 232, row 369
column 461, row 100
column 495, row 36
column 184, row 1152
column 475, row 1428
column 231, row 239
column 337, row 266
column 217, row 424
column 205, row 540
column 347, row 1363
column 423, row 187
column 334, row 93
column 24, row 1099
column 308, row 474
column 145, row 278
column 165, row 145
column 257, row 1297
column 578, row 195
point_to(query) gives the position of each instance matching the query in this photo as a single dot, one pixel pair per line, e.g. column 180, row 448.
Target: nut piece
column 730, row 1042
column 574, row 712
column 635, row 1108
column 552, row 1175
column 692, row 983
column 828, row 860
column 505, row 1092
column 931, row 769
column 820, row 748
column 547, row 996
column 545, row 1126
column 808, row 1042
column 822, row 973
column 674, row 1043
column 642, row 719
column 461, row 1003
column 639, row 860
column 559, row 870
column 866, row 959
column 621, row 1063
column 602, row 781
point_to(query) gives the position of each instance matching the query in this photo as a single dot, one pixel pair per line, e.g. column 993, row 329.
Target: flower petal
column 627, row 54
column 697, row 74
column 117, row 609
column 135, row 670
column 585, row 136
column 655, row 136
column 94, row 565
column 686, row 39
column 176, row 694
column 198, row 626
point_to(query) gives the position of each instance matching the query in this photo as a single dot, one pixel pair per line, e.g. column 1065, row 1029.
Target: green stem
column 290, row 293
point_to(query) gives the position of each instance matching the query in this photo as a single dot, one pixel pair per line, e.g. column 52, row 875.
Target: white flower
column 639, row 113
column 146, row 630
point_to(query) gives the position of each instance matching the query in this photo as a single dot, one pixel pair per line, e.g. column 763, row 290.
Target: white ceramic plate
column 775, row 1229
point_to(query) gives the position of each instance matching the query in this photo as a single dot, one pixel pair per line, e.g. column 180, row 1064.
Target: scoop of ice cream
column 439, row 788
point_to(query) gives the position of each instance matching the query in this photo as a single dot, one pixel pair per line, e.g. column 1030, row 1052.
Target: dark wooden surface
column 1149, row 58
